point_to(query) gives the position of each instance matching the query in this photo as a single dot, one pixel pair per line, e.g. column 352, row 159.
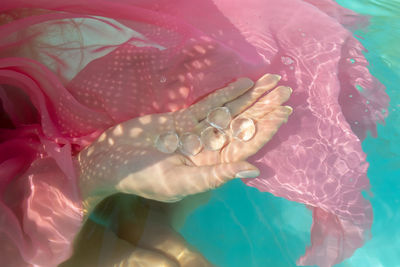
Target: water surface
column 241, row 226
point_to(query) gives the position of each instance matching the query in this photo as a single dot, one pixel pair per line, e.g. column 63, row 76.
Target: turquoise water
column 241, row 226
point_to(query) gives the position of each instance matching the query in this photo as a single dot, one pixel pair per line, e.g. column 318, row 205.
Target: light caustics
column 220, row 128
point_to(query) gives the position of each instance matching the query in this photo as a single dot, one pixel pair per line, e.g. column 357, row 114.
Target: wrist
column 92, row 190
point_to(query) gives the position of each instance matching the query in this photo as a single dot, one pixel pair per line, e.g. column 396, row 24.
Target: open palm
column 125, row 159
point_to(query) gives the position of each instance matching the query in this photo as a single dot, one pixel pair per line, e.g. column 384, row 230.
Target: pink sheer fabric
column 62, row 86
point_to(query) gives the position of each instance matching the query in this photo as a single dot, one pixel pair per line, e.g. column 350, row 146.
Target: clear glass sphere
column 190, row 144
column 219, row 117
column 243, row 128
column 167, row 142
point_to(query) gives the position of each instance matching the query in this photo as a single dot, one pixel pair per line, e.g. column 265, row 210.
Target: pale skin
column 125, row 159
column 137, row 237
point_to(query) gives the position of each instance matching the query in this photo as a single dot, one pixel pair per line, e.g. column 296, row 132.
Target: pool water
column 241, row 226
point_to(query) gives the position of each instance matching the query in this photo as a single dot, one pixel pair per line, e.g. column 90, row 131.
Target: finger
column 264, row 84
column 184, row 121
column 269, row 102
column 266, row 129
column 264, row 105
column 204, row 178
column 220, row 97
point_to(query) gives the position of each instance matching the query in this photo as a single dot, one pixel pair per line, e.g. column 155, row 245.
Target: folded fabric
column 69, row 70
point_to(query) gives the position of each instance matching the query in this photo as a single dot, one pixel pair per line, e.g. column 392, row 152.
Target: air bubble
column 287, row 60
column 163, row 79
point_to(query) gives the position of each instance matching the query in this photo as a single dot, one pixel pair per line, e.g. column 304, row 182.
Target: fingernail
column 248, row 174
column 276, row 77
column 245, row 82
column 290, row 109
column 285, row 88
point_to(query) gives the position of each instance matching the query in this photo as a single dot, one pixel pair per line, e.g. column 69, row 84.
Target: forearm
column 92, row 185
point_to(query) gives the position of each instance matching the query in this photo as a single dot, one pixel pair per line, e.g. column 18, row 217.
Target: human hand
column 125, row 159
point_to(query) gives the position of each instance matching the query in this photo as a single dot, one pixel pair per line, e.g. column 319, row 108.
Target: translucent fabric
column 69, row 70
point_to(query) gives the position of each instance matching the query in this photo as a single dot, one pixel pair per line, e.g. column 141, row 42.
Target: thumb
column 213, row 176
